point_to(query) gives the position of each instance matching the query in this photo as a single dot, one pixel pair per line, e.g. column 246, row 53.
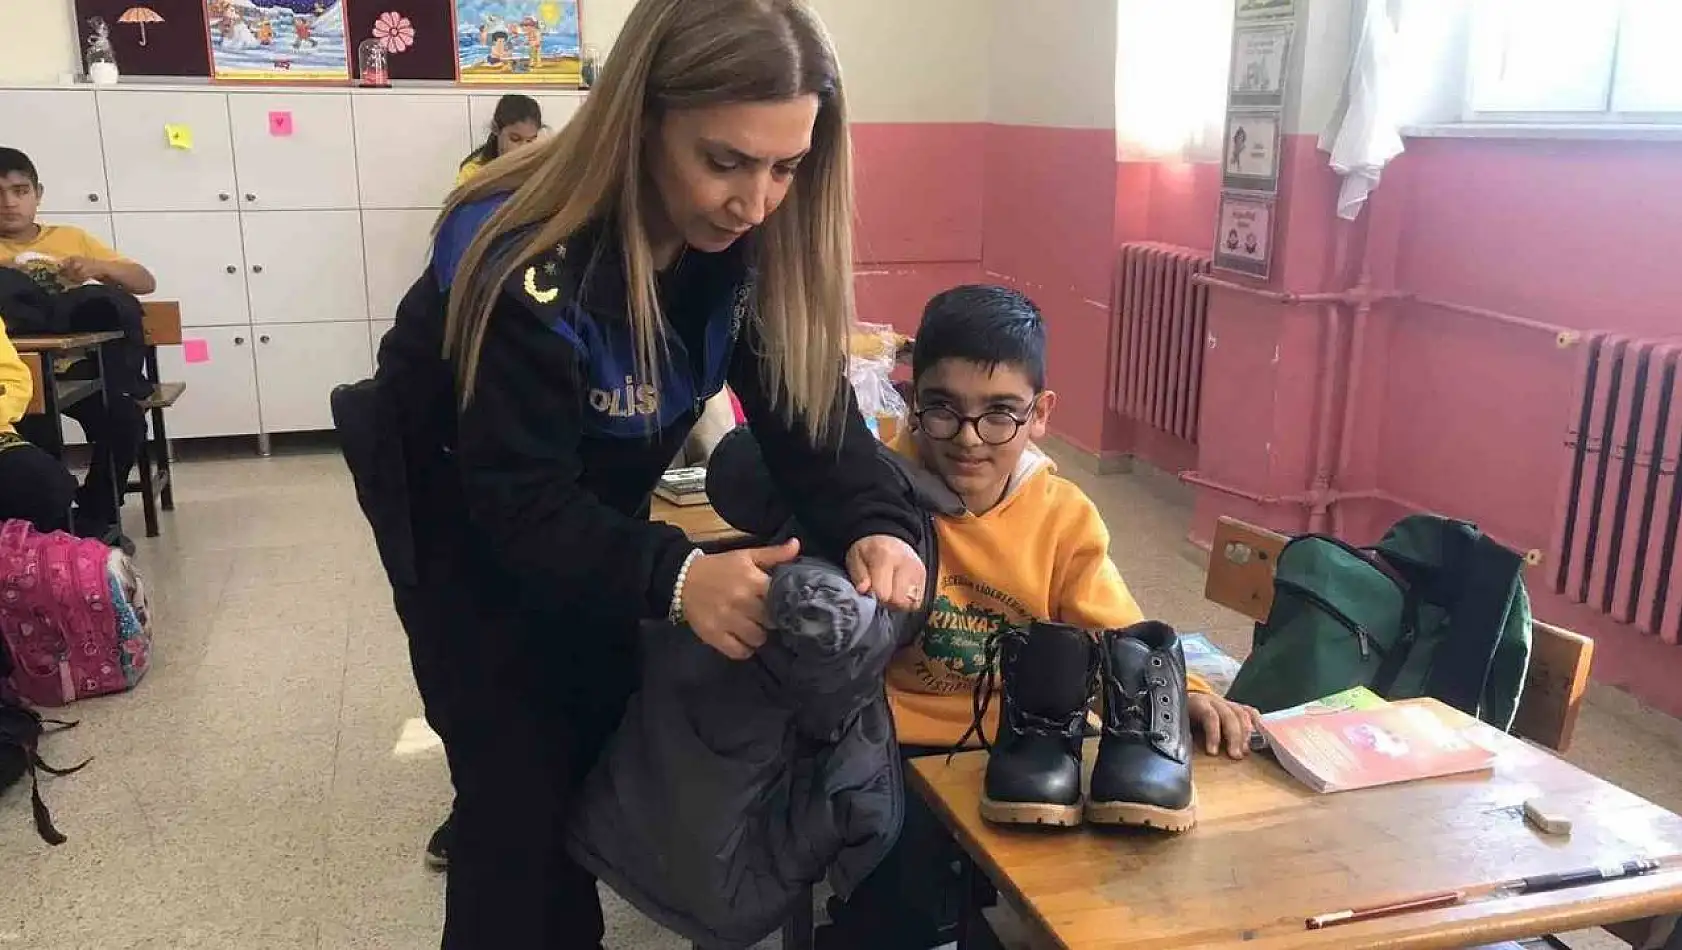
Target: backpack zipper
column 1368, row 647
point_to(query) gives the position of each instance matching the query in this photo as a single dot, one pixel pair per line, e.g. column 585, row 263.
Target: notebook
column 1361, row 748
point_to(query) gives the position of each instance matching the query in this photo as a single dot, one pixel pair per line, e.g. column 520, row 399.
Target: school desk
column 700, row 522
column 1267, row 853
column 43, row 355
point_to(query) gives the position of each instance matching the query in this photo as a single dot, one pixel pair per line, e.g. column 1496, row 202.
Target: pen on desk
column 1607, row 872
column 1354, row 915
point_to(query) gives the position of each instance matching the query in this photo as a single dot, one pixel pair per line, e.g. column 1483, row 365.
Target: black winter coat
column 732, row 787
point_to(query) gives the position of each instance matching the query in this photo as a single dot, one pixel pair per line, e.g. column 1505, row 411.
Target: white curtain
column 1172, row 58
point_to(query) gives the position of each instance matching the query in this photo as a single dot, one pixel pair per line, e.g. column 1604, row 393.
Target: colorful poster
column 1244, row 241
column 278, row 40
column 154, row 38
column 518, row 41
column 1260, row 62
column 1251, row 161
column 418, row 36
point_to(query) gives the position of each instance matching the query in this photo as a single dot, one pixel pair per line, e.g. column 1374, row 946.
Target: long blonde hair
column 682, row 54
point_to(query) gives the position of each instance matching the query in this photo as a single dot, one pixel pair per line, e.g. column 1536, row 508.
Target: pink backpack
column 62, row 617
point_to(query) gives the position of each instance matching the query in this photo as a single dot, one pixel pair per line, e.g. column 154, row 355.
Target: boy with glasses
column 1031, row 546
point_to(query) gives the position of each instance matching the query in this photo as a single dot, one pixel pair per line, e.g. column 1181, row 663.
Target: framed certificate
column 1261, row 59
column 1244, row 235
column 1250, row 159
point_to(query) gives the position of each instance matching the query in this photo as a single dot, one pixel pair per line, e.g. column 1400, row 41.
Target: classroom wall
column 1050, row 188
column 37, row 44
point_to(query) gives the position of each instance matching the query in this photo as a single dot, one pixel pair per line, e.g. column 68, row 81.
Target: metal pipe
column 1564, row 335
column 1203, row 481
column 1331, row 344
column 1352, row 391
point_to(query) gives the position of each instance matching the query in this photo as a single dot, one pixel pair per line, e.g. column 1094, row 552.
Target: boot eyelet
column 1156, row 661
column 1165, row 700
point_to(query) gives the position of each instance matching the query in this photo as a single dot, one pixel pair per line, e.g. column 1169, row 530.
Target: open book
column 1380, row 745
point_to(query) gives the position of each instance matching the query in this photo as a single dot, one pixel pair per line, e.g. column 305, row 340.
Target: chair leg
column 148, row 493
column 160, row 444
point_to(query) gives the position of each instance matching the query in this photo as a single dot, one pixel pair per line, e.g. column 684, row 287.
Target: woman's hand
column 887, row 567
column 724, row 597
column 1223, row 723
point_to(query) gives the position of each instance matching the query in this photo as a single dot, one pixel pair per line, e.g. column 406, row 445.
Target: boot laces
column 981, row 697
column 1130, row 718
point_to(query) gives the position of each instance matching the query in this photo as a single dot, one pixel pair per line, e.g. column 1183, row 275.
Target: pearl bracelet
column 674, row 613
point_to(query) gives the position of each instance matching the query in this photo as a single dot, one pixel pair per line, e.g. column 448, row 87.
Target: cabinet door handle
column 256, row 268
column 232, row 269
column 263, row 339
column 93, row 196
column 224, row 196
column 239, row 341
column 250, row 197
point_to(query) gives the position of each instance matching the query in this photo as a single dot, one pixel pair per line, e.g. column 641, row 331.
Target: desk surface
column 1268, row 853
column 700, row 522
column 41, row 343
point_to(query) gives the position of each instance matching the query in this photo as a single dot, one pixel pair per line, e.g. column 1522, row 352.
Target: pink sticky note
column 195, row 351
column 280, row 124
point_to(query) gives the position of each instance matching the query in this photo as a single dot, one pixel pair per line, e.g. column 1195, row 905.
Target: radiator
column 1157, row 365
column 1615, row 542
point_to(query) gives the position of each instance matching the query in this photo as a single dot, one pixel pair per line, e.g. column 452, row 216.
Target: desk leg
column 55, row 430
column 107, row 453
column 973, row 932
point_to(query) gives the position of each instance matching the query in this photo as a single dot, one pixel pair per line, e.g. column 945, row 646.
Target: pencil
column 1426, row 902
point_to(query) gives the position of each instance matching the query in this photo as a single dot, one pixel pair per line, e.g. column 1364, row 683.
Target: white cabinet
column 305, row 266
column 294, row 151
column 146, row 172
column 221, row 396
column 59, row 130
column 298, row 366
column 397, row 243
column 98, row 225
column 558, row 110
column 197, row 259
column 408, row 148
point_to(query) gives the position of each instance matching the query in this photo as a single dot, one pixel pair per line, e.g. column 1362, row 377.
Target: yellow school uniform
column 1041, row 553
column 16, row 387
column 469, row 168
column 41, row 256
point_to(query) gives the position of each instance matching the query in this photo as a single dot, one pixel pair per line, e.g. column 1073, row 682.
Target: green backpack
column 1436, row 609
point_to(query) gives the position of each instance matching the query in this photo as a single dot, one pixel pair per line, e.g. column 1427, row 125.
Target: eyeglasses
column 993, row 428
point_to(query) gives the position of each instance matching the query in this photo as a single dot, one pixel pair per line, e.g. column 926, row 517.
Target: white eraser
column 1546, row 817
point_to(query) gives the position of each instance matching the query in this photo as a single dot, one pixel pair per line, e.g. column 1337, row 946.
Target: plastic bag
column 870, row 370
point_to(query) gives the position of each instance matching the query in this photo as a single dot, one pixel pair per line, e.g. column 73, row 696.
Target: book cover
column 1209, row 661
column 1357, row 697
column 683, row 486
column 1361, row 748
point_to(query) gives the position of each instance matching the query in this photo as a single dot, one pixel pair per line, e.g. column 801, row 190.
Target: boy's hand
column 887, row 567
column 1223, row 723
column 80, row 270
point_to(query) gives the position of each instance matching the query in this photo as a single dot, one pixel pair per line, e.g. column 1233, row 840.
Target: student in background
column 34, row 486
column 60, row 259
column 518, row 121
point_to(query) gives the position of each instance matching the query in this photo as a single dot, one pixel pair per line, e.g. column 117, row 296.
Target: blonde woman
column 689, row 227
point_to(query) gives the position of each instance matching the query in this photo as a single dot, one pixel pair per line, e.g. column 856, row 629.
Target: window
column 1576, row 61
column 1170, row 80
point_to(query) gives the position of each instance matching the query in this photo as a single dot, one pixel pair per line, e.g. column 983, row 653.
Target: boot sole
column 1030, row 813
column 1133, row 814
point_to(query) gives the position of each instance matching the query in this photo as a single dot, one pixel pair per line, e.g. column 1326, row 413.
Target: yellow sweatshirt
column 1040, row 554
column 16, row 385
column 468, row 169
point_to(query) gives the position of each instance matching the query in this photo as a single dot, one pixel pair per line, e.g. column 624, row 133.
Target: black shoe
column 1143, row 773
column 1033, row 772
column 438, row 846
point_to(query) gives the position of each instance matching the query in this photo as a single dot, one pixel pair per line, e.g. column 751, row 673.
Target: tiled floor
column 254, row 792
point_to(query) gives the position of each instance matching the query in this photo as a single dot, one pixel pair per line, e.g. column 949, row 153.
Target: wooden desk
column 700, row 522
column 1268, row 853
column 42, row 353
column 64, row 344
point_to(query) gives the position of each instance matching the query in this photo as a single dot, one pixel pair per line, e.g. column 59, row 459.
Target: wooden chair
column 1240, row 577
column 162, row 326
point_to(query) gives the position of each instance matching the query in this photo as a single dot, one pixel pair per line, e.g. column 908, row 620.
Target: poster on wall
column 1261, row 57
column 157, row 38
column 418, row 36
column 518, row 41
column 1251, row 161
column 277, row 40
column 1244, row 239
column 1266, row 9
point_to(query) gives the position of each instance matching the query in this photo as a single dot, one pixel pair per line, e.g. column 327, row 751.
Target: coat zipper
column 1368, row 647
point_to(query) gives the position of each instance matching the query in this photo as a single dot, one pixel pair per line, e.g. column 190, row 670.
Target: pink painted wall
column 1050, row 232
column 920, row 190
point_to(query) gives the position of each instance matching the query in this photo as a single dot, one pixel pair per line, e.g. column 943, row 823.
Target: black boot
column 1033, row 773
column 1143, row 772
